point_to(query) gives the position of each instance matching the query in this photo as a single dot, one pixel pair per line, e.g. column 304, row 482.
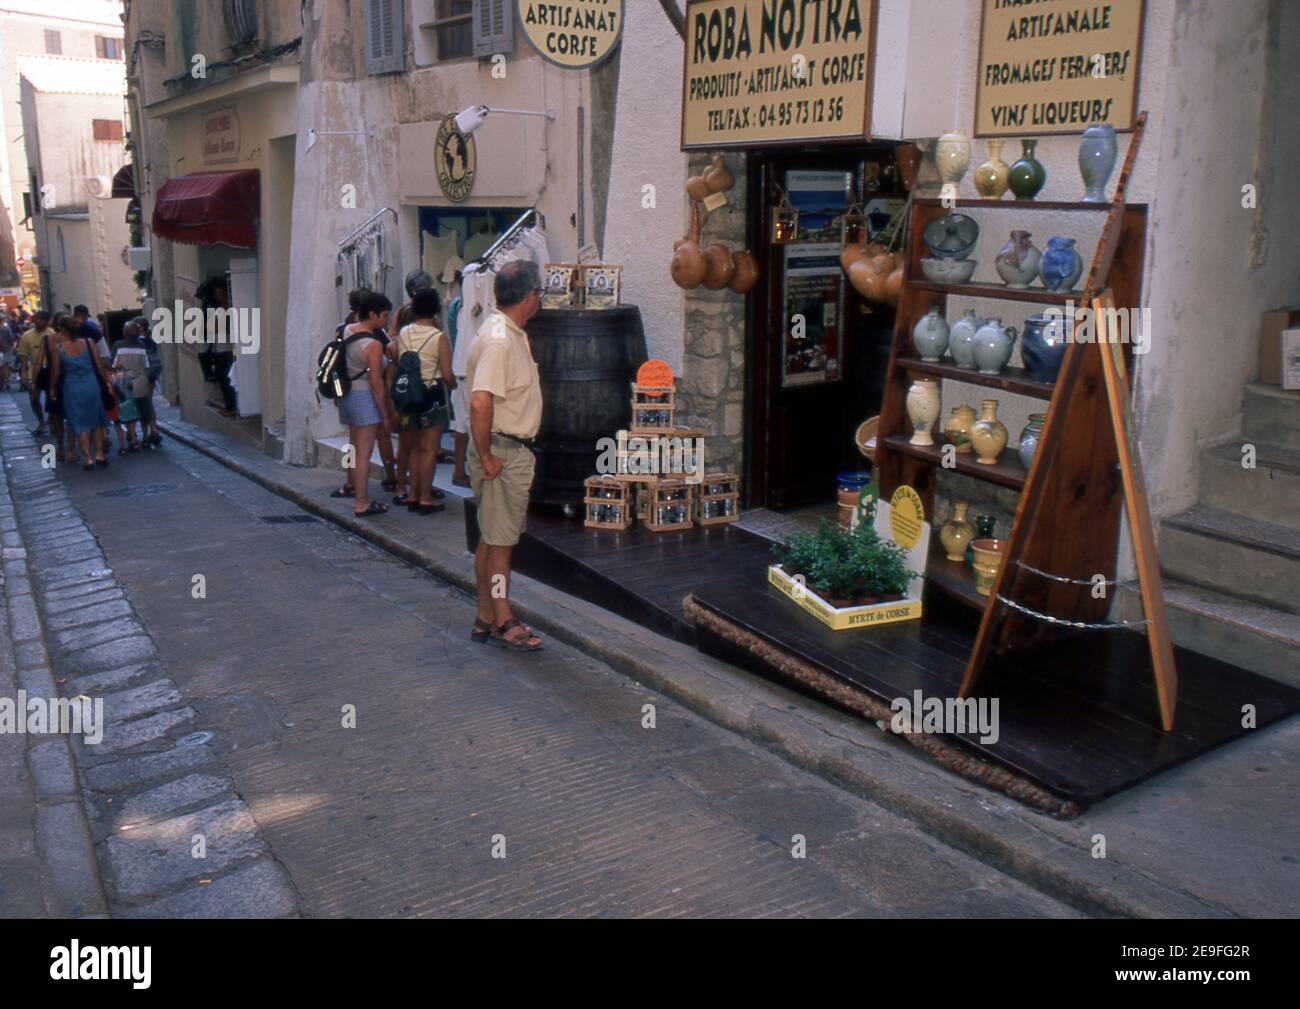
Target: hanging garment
column 435, row 251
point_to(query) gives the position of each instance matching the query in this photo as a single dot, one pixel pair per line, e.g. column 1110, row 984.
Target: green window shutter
column 385, row 27
column 494, row 27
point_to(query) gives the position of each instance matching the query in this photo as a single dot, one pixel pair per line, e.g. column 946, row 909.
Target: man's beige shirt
column 501, row 362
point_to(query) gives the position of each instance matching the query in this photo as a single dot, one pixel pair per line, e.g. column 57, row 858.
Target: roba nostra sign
column 1057, row 67
column 572, row 33
column 768, row 72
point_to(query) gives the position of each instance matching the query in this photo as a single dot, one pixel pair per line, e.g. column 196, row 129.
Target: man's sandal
column 344, row 492
column 375, row 508
column 516, row 644
column 481, row 632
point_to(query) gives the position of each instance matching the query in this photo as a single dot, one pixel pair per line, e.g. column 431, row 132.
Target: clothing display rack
column 529, row 218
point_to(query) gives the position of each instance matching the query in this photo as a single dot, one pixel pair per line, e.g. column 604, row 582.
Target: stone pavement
column 1215, row 837
column 367, row 759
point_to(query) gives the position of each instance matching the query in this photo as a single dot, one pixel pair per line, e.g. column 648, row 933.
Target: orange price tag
column 655, row 372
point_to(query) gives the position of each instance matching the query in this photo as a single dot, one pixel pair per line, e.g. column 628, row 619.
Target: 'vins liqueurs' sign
column 572, row 33
column 765, row 72
column 1057, row 66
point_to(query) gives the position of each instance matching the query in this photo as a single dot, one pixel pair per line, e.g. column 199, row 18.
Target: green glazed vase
column 1027, row 176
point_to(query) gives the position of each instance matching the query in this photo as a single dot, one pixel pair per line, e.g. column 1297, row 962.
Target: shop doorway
column 818, row 353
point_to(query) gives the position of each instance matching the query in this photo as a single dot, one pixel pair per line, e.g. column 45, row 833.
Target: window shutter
column 385, row 36
column 494, row 27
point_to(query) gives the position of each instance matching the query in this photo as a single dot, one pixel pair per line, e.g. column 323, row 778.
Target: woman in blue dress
column 74, row 383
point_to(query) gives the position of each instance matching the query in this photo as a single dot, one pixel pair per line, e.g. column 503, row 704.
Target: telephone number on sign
column 801, row 112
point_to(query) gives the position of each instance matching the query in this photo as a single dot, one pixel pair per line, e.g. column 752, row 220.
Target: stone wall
column 711, row 392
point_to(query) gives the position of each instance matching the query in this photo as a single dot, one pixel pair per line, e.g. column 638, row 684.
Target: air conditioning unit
column 138, row 257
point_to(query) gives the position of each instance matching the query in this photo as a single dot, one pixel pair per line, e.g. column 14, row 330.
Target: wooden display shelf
column 953, row 578
column 1001, row 292
column 982, row 204
column 1007, row 471
column 1015, row 380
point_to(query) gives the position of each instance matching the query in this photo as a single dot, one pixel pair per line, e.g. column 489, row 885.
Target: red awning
column 209, row 207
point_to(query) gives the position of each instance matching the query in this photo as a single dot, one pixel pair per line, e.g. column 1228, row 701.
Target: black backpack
column 411, row 395
column 332, row 378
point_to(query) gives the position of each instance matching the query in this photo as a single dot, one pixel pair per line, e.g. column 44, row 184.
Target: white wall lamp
column 474, row 116
column 312, row 135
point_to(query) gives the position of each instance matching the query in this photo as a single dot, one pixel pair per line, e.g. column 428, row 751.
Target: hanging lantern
column 785, row 222
column 853, row 226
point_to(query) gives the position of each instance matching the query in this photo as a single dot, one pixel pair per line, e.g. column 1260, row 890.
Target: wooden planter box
column 607, row 503
column 847, row 617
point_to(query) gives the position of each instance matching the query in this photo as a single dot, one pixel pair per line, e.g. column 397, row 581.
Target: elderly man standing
column 505, row 410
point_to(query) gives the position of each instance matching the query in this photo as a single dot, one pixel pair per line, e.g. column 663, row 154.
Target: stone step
column 1270, row 492
column 1244, row 557
column 1272, row 414
column 1259, row 638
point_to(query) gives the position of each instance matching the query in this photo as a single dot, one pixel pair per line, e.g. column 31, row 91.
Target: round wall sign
column 455, row 159
column 572, row 33
column 656, row 373
column 906, row 517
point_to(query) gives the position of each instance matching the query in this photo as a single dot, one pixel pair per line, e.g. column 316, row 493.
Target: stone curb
column 71, row 879
column 833, row 746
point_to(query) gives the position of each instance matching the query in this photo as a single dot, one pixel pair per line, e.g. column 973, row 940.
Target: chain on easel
column 1062, row 622
column 1062, row 579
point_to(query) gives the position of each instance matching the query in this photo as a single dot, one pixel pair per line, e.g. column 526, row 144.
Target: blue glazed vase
column 1097, row 152
column 1029, row 438
column 1042, row 346
column 1061, row 264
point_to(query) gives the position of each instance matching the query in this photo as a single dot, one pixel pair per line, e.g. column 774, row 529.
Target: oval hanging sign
column 455, row 159
column 572, row 33
column 655, row 373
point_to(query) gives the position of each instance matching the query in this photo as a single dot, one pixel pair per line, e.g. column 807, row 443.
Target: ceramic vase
column 1060, row 266
column 961, row 339
column 957, row 532
column 985, row 526
column 1027, row 176
column 988, row 558
column 952, row 157
column 930, row 335
column 1017, row 261
column 1097, row 151
column 923, row 409
column 988, row 435
column 993, row 345
column 990, row 178
column 1043, row 346
column 957, row 427
column 1029, row 438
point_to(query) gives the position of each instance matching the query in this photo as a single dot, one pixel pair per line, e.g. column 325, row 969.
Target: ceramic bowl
column 948, row 271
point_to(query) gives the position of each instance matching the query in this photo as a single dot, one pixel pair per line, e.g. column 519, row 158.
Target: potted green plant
column 880, row 565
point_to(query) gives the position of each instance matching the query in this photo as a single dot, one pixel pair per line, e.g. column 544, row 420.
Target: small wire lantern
column 785, row 222
column 853, row 227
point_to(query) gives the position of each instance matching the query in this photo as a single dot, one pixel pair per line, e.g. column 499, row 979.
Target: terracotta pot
column 721, row 267
column 689, row 267
column 745, row 276
column 717, row 178
column 697, row 188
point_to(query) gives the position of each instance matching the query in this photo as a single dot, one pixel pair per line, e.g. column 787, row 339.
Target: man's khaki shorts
column 503, row 502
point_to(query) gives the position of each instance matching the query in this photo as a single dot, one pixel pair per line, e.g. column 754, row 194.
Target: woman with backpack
column 364, row 408
column 421, row 382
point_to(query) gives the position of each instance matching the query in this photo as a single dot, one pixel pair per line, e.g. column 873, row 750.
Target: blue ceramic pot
column 1042, row 346
column 1061, row 265
column 1029, row 438
column 1097, row 151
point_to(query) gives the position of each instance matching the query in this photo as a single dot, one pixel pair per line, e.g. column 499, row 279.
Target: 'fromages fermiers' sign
column 768, row 72
column 1057, row 67
column 572, row 33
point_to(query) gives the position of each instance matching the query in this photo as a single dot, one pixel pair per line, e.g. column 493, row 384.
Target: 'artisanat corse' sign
column 572, row 33
column 766, row 72
column 1057, row 66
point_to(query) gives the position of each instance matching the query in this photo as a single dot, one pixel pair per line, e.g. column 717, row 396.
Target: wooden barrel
column 586, row 359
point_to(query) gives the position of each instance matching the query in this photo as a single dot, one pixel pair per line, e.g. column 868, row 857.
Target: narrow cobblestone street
column 457, row 747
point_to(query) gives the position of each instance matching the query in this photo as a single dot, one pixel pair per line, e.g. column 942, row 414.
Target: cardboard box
column 1270, row 343
column 1291, row 359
